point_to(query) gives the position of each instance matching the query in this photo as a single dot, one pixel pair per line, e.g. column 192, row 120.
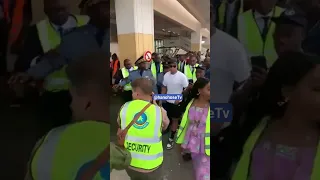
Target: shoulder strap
column 97, row 164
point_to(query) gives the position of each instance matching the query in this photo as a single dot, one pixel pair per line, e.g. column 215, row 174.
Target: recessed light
column 163, row 30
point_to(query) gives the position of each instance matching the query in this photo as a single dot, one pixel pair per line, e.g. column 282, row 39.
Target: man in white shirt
column 230, row 65
column 174, row 82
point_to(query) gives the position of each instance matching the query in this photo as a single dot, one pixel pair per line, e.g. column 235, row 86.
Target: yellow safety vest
column 154, row 69
column 249, row 35
column 144, row 137
column 189, row 74
column 50, row 39
column 222, row 10
column 65, row 152
column 125, row 74
column 242, row 169
column 184, row 126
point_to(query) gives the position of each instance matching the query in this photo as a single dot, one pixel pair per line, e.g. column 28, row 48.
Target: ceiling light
column 202, row 42
column 163, row 30
column 169, row 31
column 173, row 32
column 178, row 34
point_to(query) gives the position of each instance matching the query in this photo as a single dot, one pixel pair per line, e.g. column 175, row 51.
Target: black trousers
column 53, row 111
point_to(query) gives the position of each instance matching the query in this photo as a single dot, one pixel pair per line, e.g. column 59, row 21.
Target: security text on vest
column 138, row 147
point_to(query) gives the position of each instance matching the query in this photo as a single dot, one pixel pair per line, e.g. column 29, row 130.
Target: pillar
column 196, row 40
column 135, row 28
column 206, row 43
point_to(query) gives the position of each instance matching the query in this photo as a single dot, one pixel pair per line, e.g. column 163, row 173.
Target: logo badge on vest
column 141, row 123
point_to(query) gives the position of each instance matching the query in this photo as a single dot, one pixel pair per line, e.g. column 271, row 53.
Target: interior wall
column 114, row 48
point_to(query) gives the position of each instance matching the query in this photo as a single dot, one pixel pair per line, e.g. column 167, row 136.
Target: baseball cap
column 291, row 16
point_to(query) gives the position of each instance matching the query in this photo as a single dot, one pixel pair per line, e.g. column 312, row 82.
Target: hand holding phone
column 259, row 61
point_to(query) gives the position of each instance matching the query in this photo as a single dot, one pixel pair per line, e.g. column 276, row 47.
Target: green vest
column 154, row 69
column 222, row 12
column 189, row 74
column 249, row 35
column 50, row 39
column 144, row 137
column 125, row 74
column 64, row 151
column 184, row 126
column 242, row 169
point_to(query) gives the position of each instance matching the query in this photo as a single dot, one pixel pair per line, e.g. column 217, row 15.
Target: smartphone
column 190, row 81
column 259, row 61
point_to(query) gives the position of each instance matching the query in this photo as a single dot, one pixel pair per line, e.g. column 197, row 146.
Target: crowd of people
column 187, row 120
column 266, row 64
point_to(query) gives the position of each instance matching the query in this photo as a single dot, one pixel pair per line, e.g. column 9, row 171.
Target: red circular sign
column 147, row 56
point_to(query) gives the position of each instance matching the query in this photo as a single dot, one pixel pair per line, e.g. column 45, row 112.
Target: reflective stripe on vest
column 189, row 74
column 154, row 69
column 50, row 39
column 58, row 156
column 249, row 35
column 144, row 138
column 242, row 169
column 125, row 74
column 184, row 126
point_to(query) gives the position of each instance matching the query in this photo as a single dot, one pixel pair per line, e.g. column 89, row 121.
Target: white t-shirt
column 230, row 64
column 175, row 83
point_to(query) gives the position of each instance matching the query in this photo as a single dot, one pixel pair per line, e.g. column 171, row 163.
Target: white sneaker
column 170, row 144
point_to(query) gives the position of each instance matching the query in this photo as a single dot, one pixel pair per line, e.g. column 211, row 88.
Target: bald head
column 57, row 11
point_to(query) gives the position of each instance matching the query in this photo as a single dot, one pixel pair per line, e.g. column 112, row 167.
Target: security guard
column 156, row 66
column 255, row 29
column 142, row 71
column 125, row 71
column 143, row 139
column 190, row 69
column 227, row 14
column 83, row 40
column 79, row 150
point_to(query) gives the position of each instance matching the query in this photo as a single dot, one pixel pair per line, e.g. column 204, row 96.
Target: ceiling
column 200, row 9
column 164, row 27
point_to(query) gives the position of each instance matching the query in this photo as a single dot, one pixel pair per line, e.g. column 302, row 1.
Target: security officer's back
column 143, row 139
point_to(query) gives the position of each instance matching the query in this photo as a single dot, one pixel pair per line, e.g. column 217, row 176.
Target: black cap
column 291, row 16
column 200, row 68
column 140, row 60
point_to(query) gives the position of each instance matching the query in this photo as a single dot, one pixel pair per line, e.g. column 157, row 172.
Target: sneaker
column 170, row 144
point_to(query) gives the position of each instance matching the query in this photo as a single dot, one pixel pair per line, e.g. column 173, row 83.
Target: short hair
column 172, row 61
column 144, row 84
column 90, row 71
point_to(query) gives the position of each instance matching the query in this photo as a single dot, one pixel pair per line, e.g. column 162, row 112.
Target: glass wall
column 158, row 43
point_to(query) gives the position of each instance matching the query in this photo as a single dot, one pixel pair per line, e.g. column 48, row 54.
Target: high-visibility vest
column 242, row 168
column 114, row 67
column 249, row 35
column 189, row 74
column 181, row 65
column 50, row 39
column 65, row 152
column 154, row 69
column 16, row 21
column 222, row 12
column 184, row 126
column 144, row 137
column 125, row 73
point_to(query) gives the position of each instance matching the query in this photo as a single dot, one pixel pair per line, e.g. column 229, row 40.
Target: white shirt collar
column 69, row 24
column 257, row 15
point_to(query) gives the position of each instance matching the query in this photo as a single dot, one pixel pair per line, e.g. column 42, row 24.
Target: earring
column 281, row 103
